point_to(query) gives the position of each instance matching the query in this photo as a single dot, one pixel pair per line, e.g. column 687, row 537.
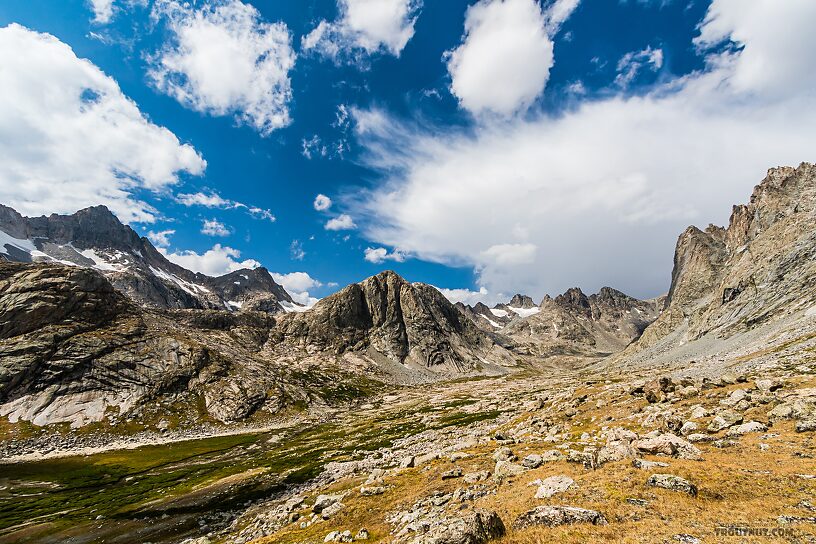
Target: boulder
column 476, row 527
column 668, row 444
column 643, row 464
column 553, row 485
column 745, row 428
column 505, row 470
column 672, row 483
column 553, row 516
column 723, row 420
column 532, row 461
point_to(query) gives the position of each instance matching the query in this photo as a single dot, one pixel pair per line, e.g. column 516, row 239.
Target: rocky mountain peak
column 575, row 299
column 522, row 301
column 412, row 324
column 755, row 270
column 94, row 238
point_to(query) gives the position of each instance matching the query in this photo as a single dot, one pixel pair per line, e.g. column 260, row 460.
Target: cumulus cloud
column 211, row 199
column 364, row 27
column 223, row 59
column 213, row 227
column 602, row 190
column 634, row 62
column 298, row 285
column 69, row 137
column 160, row 238
column 322, row 203
column 380, row 254
column 504, row 60
column 466, row 296
column 102, row 10
column 217, row 261
column 341, row 222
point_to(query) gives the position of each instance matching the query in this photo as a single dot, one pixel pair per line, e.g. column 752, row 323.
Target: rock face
column 94, row 238
column 388, row 317
column 576, row 324
column 757, row 270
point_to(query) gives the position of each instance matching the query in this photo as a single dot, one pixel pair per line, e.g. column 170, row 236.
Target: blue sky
column 601, row 132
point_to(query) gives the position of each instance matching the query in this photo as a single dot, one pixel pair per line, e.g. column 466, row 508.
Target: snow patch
column 100, row 263
column 524, row 312
column 293, row 307
column 497, row 325
column 498, row 313
column 23, row 245
column 234, row 304
column 191, row 288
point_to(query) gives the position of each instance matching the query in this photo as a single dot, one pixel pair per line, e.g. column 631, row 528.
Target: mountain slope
column 94, row 237
column 758, row 274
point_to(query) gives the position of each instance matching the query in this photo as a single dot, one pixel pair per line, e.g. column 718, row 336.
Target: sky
column 485, row 147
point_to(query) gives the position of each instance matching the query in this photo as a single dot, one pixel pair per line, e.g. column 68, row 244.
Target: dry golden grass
column 738, row 486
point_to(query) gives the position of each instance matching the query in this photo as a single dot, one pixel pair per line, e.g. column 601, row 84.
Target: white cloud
column 314, row 146
column 103, row 10
column 224, row 59
column 469, row 297
column 602, row 190
column 298, row 285
column 633, row 62
column 364, row 27
column 509, row 254
column 322, row 203
column 69, row 138
column 212, row 199
column 296, row 250
column 213, row 227
column 504, row 60
column 161, row 238
column 217, row 261
column 380, row 254
column 341, row 222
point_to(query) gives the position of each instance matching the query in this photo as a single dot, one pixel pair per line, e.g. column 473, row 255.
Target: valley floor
column 443, row 463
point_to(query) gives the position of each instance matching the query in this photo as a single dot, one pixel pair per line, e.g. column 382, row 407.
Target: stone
column 505, row 470
column 324, row 501
column 331, row 510
column 552, row 455
column 475, row 477
column 504, row 454
column 331, row 537
column 672, row 483
column 476, row 527
column 745, row 428
column 723, row 420
column 669, row 444
column 370, row 491
column 698, row 412
column 643, row 464
column 553, row 485
column 408, row 462
column 532, row 461
column 806, row 425
column 362, row 534
column 688, row 428
column 553, row 516
column 452, row 473
column 769, row 385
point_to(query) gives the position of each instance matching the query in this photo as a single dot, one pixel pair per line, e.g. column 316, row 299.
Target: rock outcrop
column 759, row 269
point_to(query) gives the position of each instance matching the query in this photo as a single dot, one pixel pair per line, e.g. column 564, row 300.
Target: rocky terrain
column 387, row 414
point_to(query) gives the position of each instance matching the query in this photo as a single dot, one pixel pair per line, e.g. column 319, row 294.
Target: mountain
column 388, row 317
column 73, row 349
column 94, row 238
column 570, row 324
column 738, row 287
column 575, row 324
